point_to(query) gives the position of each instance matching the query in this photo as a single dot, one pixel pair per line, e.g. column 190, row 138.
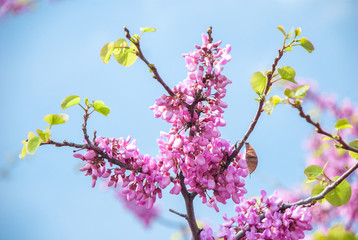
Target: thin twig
column 179, row 214
column 319, row 129
column 151, row 66
column 258, row 112
column 90, row 147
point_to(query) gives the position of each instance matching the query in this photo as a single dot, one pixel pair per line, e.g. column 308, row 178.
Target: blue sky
column 53, row 52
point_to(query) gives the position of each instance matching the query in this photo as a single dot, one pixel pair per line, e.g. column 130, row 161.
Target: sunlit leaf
column 70, row 101
column 258, row 82
column 23, row 151
column 106, row 52
column 279, row 27
column 100, row 107
column 342, row 124
column 289, row 35
column 298, row 32
column 271, row 104
column 123, row 54
column 32, row 144
column 313, row 171
column 55, row 119
column 354, row 144
column 287, row 73
column 306, row 44
column 148, row 29
column 339, row 195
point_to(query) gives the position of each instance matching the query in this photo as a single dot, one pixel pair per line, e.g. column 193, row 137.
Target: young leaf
column 271, row 104
column 342, row 124
column 87, row 102
column 100, row 107
column 326, row 138
column 32, row 144
column 298, row 32
column 300, row 92
column 313, row 171
column 306, row 44
column 287, row 73
column 123, row 54
column 258, row 82
column 288, row 48
column 106, row 52
column 317, row 189
column 251, row 158
column 23, row 151
column 41, row 134
column 70, row 101
column 55, row 119
column 354, row 144
column 289, row 35
column 279, row 27
column 288, row 93
column 340, row 195
column 148, row 29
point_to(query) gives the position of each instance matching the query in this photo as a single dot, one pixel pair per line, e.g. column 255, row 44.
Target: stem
column 89, row 147
column 151, row 66
column 319, row 129
column 190, row 215
column 259, row 109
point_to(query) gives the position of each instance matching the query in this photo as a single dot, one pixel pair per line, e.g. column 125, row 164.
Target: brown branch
column 179, row 214
column 308, row 201
column 319, row 129
column 89, row 147
column 190, row 215
column 259, row 110
column 151, row 66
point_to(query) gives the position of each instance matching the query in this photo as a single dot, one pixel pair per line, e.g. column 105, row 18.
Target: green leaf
column 23, row 151
column 41, row 135
column 287, row 73
column 100, row 107
column 313, row 171
column 338, row 232
column 279, row 27
column 300, row 92
column 55, row 119
column 288, row 93
column 354, row 144
column 340, row 195
column 289, row 35
column 87, row 102
column 342, row 124
column 306, row 44
column 271, row 104
column 326, row 138
column 298, row 32
column 106, row 52
column 148, row 29
column 70, row 101
column 32, row 144
column 317, row 189
column 258, row 83
column 288, row 48
column 123, row 54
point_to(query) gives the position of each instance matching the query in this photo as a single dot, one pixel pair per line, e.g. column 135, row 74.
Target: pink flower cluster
column 14, row 7
column 142, row 184
column 264, row 220
column 197, row 108
column 146, row 216
column 192, row 149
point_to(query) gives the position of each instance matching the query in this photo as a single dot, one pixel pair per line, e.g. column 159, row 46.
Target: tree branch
column 319, row 129
column 89, row 147
column 259, row 109
column 190, row 215
column 150, row 66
